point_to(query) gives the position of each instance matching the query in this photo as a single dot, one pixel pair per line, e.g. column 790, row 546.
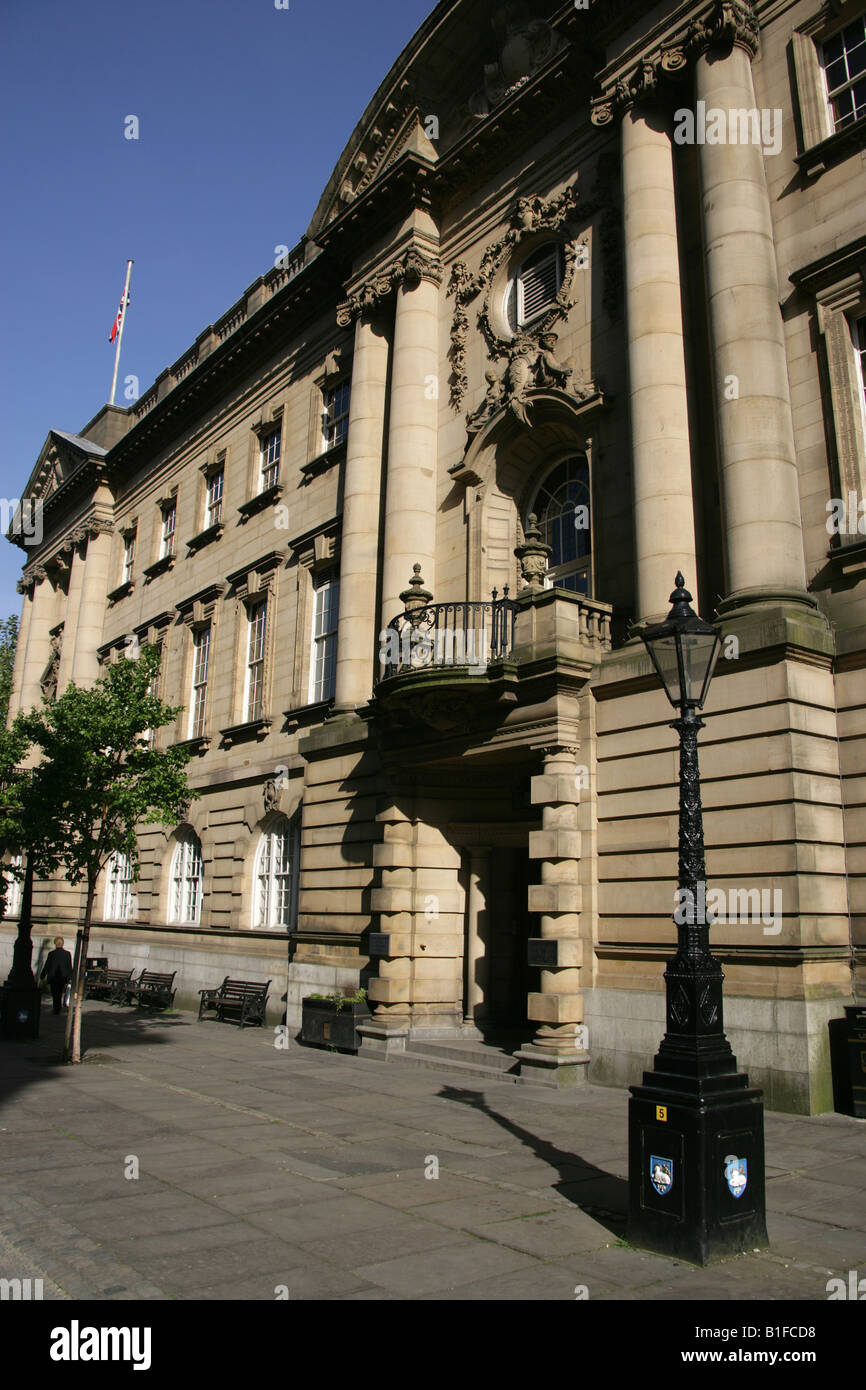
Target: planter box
column 325, row 1024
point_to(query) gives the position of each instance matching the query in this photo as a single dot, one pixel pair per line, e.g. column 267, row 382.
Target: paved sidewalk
column 263, row 1170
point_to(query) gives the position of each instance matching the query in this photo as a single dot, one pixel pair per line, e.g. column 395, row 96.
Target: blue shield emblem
column 736, row 1175
column 661, row 1174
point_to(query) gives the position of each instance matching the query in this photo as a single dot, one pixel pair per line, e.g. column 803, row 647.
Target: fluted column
column 410, row 503
column 661, row 452
column 359, row 547
column 26, row 589
column 42, row 619
column 91, row 608
column 70, row 621
column 761, row 502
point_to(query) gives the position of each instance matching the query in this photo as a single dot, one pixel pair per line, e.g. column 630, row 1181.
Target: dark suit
column 58, row 972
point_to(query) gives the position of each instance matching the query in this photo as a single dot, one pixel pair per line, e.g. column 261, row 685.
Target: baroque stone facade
column 397, row 520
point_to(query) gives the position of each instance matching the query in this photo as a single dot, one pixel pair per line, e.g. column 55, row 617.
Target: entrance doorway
column 509, row 978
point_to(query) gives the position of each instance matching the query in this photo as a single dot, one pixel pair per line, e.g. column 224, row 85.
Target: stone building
column 582, row 304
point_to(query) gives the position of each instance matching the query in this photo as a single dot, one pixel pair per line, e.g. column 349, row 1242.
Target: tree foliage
column 99, row 779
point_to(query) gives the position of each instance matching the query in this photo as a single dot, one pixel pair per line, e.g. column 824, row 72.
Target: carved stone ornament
column 524, row 43
column 48, row 683
column 533, row 556
column 532, row 365
column 410, row 269
column 416, row 596
column 529, row 216
column 271, row 795
column 379, row 146
column 726, row 21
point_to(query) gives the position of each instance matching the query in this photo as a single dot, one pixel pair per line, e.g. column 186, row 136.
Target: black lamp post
column 696, row 1127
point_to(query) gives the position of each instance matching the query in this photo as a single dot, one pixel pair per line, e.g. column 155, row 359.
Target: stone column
column 42, row 620
column 410, row 505
column 477, row 934
column 359, row 547
column 557, row 1055
column 760, row 493
column 661, row 451
column 91, row 608
column 26, row 589
column 70, row 621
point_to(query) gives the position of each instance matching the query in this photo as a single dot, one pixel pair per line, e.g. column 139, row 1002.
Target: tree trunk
column 21, row 974
column 72, row 1044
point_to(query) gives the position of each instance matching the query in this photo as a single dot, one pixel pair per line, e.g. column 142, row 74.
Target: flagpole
column 123, row 303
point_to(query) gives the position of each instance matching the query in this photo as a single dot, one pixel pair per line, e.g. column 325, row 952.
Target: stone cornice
column 638, row 75
column 409, row 269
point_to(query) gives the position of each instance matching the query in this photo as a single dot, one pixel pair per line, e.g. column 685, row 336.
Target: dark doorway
column 509, row 977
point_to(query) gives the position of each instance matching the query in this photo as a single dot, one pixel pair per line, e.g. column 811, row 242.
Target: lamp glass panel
column 663, row 651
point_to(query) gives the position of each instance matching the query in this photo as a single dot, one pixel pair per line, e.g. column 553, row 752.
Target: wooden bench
column 245, row 998
column 153, row 989
column 107, row 984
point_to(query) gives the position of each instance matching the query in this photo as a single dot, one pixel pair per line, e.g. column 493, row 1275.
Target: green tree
column 98, row 780
column 8, row 643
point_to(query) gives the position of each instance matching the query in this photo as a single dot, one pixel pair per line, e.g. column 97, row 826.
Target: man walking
column 58, row 972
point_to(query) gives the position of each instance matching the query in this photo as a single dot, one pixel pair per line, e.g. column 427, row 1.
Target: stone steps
column 471, row 1057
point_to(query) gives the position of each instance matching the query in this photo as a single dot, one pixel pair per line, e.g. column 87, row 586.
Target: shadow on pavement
column 24, row 1063
column 600, row 1195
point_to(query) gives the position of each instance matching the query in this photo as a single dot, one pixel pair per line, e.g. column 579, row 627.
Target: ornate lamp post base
column 696, row 1164
column 20, row 1007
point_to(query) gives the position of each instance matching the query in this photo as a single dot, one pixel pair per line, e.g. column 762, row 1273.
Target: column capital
column 629, row 84
column 31, row 578
column 411, row 268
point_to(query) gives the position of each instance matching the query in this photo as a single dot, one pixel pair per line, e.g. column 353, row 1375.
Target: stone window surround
column 836, row 286
column 336, row 371
column 273, row 822
column 155, row 633
column 316, row 551
column 267, row 423
column 250, row 586
column 209, row 531
column 197, row 613
column 819, row 143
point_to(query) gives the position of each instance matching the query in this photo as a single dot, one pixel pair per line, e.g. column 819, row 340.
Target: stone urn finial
column 533, row 556
column 416, row 596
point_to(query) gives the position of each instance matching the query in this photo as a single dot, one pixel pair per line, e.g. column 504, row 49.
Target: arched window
column 13, row 887
column 187, row 873
column 118, row 888
column 533, row 290
column 563, row 508
column 275, row 876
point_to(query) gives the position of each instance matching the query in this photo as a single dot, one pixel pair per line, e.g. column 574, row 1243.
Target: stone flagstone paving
column 261, row 1169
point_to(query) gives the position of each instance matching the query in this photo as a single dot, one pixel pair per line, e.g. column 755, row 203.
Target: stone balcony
column 444, row 664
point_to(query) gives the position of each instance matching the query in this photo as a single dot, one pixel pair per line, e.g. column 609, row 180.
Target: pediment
column 60, row 457
column 376, row 152
column 467, row 58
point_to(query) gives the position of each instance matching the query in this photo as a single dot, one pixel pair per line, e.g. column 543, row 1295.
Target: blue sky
column 243, row 111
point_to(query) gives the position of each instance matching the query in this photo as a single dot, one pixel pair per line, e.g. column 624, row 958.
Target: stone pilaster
column 43, row 617
column 410, row 504
column 661, row 451
column 91, row 608
column 26, row 589
column 66, row 672
column 419, row 943
column 359, row 548
column 557, row 1055
column 760, row 493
